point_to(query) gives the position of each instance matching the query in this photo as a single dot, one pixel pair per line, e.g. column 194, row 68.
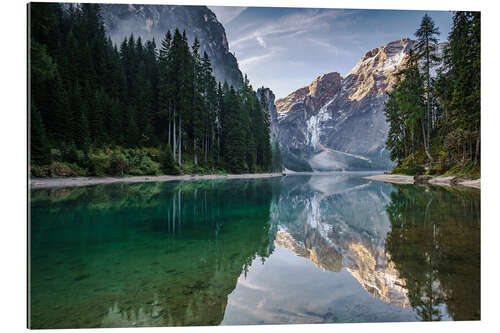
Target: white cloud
column 252, row 60
column 261, row 41
column 328, row 46
column 309, row 21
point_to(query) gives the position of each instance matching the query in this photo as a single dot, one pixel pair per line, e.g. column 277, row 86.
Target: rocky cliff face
column 153, row 21
column 267, row 95
column 338, row 123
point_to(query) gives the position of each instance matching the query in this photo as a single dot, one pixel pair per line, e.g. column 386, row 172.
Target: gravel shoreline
column 447, row 181
column 38, row 183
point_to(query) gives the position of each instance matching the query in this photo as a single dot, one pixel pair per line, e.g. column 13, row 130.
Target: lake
column 327, row 248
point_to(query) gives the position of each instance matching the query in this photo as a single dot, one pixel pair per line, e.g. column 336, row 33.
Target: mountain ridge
column 153, row 21
column 337, row 123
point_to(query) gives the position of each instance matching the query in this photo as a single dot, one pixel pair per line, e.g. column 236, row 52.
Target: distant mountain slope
column 153, row 21
column 338, row 123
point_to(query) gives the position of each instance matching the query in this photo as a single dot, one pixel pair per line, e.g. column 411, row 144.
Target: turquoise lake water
column 332, row 248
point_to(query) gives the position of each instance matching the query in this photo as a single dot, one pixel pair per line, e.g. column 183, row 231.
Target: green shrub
column 60, row 169
column 168, row 165
column 39, row 171
column 141, row 165
column 118, row 165
column 136, row 172
column 438, row 168
column 154, row 153
column 99, row 163
column 465, row 170
column 409, row 167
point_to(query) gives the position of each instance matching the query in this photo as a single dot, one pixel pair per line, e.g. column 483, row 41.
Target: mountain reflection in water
column 295, row 249
column 346, row 226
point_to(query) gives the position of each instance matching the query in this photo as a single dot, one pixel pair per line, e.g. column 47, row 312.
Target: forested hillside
column 136, row 108
column 435, row 119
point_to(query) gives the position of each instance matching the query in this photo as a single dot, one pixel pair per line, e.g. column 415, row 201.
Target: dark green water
column 295, row 249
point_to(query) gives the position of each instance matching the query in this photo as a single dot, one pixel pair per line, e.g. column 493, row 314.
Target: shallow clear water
column 296, row 249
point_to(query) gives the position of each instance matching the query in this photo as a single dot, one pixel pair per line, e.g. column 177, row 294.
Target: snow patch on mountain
column 314, row 125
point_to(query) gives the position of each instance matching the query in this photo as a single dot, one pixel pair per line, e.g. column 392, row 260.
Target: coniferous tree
column 95, row 116
column 80, row 125
column 277, row 161
column 167, row 162
column 164, row 115
column 93, row 95
column 133, row 135
column 61, row 120
column 197, row 101
column 235, row 134
column 446, row 107
column 249, row 123
column 39, row 146
column 405, row 111
column 426, row 51
column 461, row 85
column 210, row 119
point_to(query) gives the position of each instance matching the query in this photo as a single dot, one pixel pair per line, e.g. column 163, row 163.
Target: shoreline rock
column 446, row 181
column 421, row 179
column 39, row 183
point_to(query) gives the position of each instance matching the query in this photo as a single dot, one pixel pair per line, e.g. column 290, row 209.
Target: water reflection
column 161, row 254
column 411, row 246
column 435, row 245
column 340, row 222
column 296, row 249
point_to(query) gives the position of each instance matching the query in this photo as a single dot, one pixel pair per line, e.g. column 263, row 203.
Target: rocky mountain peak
column 318, row 93
column 153, row 21
column 374, row 74
column 338, row 123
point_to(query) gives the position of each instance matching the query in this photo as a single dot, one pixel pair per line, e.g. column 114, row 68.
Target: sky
column 286, row 48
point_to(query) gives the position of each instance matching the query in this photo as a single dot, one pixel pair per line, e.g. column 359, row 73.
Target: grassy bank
column 120, row 161
column 442, row 166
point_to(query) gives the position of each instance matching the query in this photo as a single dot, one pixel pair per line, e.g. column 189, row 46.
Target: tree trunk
column 426, row 148
column 412, row 145
column 195, row 155
column 169, row 130
column 180, row 141
column 174, row 147
column 427, row 51
column 203, row 147
column 478, row 144
column 428, row 114
column 218, row 148
column 471, row 154
column 206, row 149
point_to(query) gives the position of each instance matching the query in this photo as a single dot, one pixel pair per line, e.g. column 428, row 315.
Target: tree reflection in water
column 150, row 254
column 178, row 254
column 435, row 245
